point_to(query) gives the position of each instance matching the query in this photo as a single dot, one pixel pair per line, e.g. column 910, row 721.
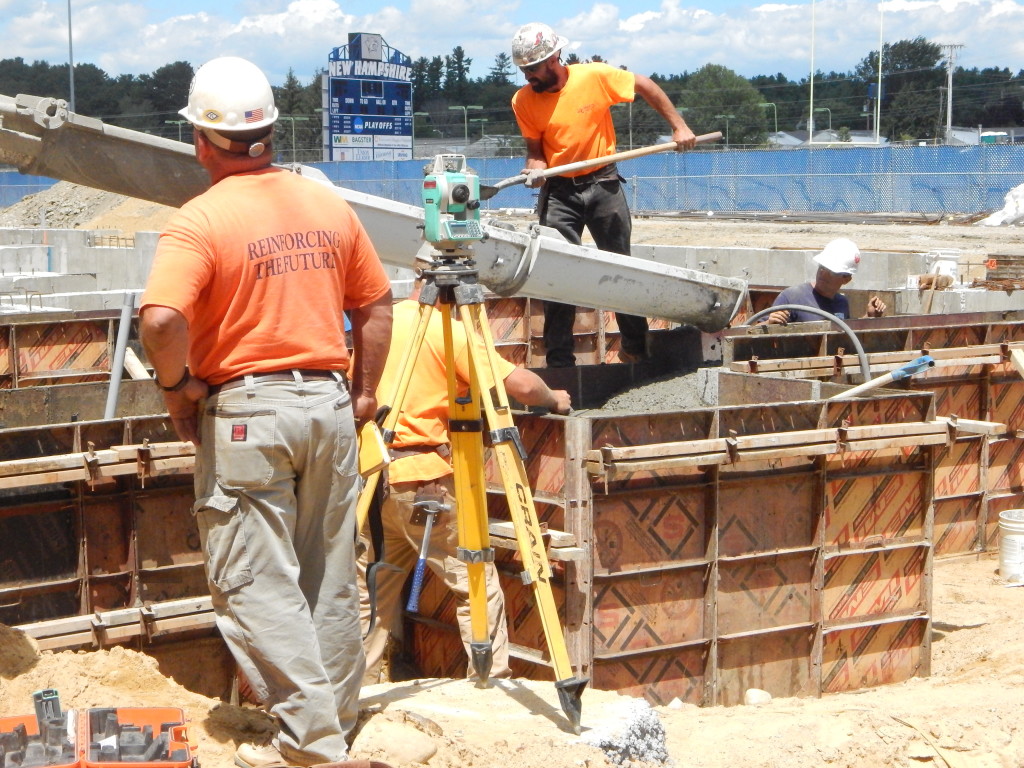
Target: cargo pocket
column 222, row 532
column 243, row 441
column 346, row 450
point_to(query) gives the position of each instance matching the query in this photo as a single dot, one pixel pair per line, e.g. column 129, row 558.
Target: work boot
column 265, row 756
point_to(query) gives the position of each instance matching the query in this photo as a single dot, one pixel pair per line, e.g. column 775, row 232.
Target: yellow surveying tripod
column 451, row 204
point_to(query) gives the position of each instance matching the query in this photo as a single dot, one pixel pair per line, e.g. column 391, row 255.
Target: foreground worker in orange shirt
column 421, row 467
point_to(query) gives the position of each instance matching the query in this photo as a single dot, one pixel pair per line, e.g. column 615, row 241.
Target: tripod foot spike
column 482, row 658
column 570, row 693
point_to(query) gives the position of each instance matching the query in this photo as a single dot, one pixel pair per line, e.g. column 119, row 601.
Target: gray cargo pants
column 276, row 487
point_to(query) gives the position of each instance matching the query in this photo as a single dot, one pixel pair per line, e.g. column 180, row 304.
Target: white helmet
column 535, row 42
column 230, row 94
column 840, row 256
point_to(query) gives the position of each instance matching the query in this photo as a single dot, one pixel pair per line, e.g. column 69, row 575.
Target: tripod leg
column 510, row 456
column 465, row 429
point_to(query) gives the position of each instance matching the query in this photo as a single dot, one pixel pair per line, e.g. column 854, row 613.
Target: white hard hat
column 840, row 256
column 535, row 42
column 230, row 94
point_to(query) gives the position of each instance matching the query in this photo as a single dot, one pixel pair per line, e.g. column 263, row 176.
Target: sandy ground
column 967, row 714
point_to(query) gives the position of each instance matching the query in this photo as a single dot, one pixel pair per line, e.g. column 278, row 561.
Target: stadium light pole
column 826, row 109
column 293, row 119
column 465, row 119
column 727, row 118
column 71, row 64
column 178, row 123
column 775, row 111
column 480, row 120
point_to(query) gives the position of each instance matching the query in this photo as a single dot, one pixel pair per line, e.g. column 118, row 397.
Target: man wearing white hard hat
column 837, row 264
column 564, row 114
column 243, row 321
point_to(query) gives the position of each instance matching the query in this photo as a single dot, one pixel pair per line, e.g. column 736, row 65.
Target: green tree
column 912, row 75
column 714, row 91
column 501, row 71
column 456, row 74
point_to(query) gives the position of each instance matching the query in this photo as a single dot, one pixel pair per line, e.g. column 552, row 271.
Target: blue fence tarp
column 886, row 179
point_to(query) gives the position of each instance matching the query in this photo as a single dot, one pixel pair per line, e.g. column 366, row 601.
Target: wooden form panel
column 876, row 584
column 781, row 663
column 43, row 350
column 766, row 592
column 642, row 530
column 761, row 513
column 874, row 509
column 639, row 611
column 658, row 676
column 956, row 525
column 863, row 656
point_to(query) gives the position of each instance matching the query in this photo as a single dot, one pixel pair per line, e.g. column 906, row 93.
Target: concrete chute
column 40, row 136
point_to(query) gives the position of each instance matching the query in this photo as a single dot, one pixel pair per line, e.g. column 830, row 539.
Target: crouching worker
column 837, row 264
column 421, row 468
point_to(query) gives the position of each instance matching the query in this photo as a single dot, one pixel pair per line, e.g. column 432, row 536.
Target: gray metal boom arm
column 41, row 137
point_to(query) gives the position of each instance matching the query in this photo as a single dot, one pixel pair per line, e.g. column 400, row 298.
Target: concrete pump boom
column 40, row 136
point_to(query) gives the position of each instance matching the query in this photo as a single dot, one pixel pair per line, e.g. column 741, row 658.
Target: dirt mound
column 72, row 206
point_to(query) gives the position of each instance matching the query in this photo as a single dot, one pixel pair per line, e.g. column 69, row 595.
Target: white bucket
column 1011, row 545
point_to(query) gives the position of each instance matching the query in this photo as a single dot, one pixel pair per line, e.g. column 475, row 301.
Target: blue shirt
column 805, row 295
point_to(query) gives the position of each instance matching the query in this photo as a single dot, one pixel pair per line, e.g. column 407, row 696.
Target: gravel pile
column 62, row 206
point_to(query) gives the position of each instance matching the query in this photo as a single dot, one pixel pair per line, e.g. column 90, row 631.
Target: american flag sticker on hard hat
column 253, row 115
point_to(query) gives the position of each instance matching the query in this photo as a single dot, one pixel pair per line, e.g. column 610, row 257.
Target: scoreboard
column 367, row 101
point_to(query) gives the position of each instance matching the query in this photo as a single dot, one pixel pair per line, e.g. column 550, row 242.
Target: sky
column 647, row 36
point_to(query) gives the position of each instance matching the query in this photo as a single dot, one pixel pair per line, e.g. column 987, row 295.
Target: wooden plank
column 505, row 529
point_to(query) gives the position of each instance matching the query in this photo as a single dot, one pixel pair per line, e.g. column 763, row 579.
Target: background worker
column 837, row 264
column 242, row 319
column 564, row 114
column 421, row 466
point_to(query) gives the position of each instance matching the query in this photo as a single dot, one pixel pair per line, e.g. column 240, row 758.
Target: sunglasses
column 532, row 68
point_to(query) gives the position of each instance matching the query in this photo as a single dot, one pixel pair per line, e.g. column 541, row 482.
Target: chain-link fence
column 888, row 179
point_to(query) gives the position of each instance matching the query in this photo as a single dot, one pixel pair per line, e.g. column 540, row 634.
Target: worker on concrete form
column 837, row 264
column 564, row 113
column 242, row 319
column 421, row 469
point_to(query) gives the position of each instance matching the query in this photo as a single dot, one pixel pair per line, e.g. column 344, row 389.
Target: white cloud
column 664, row 36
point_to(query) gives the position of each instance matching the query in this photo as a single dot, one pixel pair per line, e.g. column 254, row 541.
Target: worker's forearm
column 652, row 93
column 371, row 337
column 164, row 335
column 529, row 389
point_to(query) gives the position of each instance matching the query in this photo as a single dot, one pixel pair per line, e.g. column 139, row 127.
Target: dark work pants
column 601, row 207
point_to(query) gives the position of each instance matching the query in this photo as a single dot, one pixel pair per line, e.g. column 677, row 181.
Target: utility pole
column 950, row 55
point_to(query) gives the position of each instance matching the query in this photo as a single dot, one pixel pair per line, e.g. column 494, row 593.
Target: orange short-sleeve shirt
column 424, row 417
column 262, row 265
column 575, row 123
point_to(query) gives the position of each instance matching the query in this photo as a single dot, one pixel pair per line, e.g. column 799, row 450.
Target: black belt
column 304, row 374
column 416, row 450
column 605, row 173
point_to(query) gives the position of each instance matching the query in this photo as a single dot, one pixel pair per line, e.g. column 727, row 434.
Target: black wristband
column 177, row 387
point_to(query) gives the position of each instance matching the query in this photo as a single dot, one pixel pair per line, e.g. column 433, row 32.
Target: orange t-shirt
column 575, row 123
column 262, row 265
column 424, row 416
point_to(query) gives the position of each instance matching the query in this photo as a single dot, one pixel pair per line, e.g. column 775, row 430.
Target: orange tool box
column 42, row 739
column 102, row 737
column 134, row 737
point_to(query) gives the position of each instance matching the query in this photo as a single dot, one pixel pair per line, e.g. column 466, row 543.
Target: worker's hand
column 183, row 408
column 533, row 177
column 684, row 139
column 779, row 317
column 364, row 408
column 876, row 307
column 563, row 402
